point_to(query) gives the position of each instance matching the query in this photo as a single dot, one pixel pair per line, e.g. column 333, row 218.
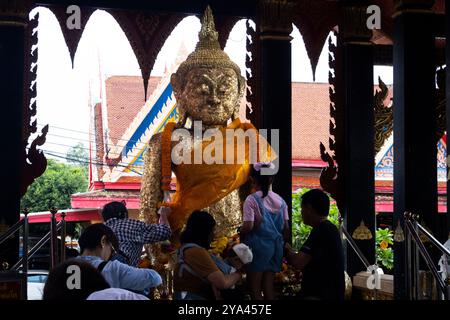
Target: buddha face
column 208, row 94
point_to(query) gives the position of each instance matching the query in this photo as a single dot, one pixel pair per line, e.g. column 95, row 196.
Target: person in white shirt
column 97, row 245
column 116, row 294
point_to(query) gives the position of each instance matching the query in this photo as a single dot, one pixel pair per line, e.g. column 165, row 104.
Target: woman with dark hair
column 265, row 223
column 97, row 245
column 196, row 272
column 73, row 280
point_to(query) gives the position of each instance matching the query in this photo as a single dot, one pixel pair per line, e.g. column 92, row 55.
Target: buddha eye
column 202, row 89
column 222, row 89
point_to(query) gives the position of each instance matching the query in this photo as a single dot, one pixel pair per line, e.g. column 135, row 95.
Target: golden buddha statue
column 208, row 87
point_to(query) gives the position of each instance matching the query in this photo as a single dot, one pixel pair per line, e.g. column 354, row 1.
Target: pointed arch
column 176, row 47
column 235, row 45
column 322, row 67
column 146, row 33
column 71, row 36
column 301, row 70
column 224, row 26
column 314, row 20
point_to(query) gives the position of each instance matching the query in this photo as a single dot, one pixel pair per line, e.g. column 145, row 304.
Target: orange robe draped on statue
column 201, row 185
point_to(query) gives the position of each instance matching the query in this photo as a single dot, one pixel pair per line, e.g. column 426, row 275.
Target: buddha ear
column 176, row 85
column 242, row 87
column 182, row 117
column 237, row 108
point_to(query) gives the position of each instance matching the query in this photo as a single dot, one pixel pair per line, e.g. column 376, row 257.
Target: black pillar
column 447, row 95
column 13, row 19
column 415, row 161
column 359, row 133
column 275, row 26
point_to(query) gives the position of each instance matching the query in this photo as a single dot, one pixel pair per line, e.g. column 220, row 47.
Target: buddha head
column 208, row 86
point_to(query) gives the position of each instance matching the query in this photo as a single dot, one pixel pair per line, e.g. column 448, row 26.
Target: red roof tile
column 311, row 118
column 124, row 99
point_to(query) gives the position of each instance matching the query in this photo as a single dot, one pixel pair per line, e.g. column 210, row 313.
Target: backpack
column 183, row 264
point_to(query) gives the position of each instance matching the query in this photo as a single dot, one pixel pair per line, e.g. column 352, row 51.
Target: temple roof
column 311, row 118
column 124, row 99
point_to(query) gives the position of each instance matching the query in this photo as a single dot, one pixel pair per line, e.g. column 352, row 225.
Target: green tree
column 78, row 155
column 54, row 187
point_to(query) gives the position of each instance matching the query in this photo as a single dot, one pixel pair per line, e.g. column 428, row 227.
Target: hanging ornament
column 398, row 234
column 362, row 232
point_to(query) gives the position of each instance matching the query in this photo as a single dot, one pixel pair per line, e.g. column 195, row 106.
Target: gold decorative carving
column 208, row 53
column 399, row 236
column 383, row 116
column 362, row 232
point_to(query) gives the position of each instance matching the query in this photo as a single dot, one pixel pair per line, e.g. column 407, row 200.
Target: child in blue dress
column 264, row 228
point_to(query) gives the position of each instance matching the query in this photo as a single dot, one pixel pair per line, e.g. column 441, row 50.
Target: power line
column 88, row 162
column 87, row 133
column 52, row 126
column 90, row 141
column 63, row 156
column 84, row 148
column 81, row 147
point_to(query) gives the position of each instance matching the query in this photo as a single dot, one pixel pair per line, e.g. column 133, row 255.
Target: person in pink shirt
column 264, row 230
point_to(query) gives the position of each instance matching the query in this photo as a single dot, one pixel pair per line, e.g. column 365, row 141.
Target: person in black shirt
column 321, row 258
